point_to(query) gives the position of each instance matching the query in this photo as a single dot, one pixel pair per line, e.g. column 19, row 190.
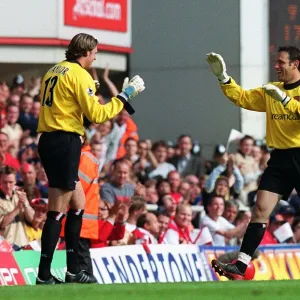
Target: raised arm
column 253, row 99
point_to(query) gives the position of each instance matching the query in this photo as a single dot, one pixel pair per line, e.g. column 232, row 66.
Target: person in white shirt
column 162, row 168
column 218, row 226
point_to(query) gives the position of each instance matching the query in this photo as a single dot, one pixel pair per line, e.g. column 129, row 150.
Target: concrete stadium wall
column 170, row 41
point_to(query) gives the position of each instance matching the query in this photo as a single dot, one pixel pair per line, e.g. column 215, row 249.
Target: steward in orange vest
column 88, row 174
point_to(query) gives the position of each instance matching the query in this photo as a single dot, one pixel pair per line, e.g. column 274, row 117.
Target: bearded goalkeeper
column 280, row 101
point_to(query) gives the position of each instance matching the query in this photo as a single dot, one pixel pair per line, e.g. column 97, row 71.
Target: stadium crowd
column 147, row 191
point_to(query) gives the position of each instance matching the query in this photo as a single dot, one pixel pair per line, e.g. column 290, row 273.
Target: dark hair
column 142, row 220
column 184, row 136
column 80, row 44
column 212, row 197
column 159, row 144
column 120, row 161
column 294, row 53
column 8, row 171
column 162, row 213
column 247, row 137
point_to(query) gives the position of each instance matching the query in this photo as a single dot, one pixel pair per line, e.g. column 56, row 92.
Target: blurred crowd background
column 150, row 191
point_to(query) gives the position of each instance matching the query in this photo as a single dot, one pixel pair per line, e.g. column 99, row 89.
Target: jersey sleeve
column 88, row 101
column 253, row 99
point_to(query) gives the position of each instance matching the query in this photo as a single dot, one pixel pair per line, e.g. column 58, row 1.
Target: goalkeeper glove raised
column 132, row 87
column 217, row 66
column 276, row 93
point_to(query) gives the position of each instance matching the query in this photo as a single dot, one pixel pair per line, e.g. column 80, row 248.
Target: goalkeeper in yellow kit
column 280, row 101
column 68, row 92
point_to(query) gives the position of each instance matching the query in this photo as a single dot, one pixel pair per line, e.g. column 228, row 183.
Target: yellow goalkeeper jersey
column 68, row 92
column 283, row 123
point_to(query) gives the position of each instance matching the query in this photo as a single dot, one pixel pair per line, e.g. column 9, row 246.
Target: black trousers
column 84, row 255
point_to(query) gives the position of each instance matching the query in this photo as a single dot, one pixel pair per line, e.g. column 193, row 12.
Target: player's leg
column 57, row 205
column 59, row 153
column 275, row 181
column 72, row 235
column 73, row 227
column 265, row 204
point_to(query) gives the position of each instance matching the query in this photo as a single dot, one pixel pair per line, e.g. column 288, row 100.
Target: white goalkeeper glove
column 132, row 87
column 217, row 66
column 276, row 93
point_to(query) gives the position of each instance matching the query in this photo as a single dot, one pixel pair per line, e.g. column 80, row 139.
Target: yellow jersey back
column 68, row 92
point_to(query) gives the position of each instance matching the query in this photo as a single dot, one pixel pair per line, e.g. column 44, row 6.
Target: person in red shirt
column 174, row 179
column 6, row 158
column 111, row 222
column 274, row 223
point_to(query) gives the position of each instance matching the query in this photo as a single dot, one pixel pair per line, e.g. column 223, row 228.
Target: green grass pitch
column 243, row 290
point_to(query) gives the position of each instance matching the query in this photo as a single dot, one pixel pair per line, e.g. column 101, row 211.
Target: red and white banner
column 10, row 273
column 96, row 14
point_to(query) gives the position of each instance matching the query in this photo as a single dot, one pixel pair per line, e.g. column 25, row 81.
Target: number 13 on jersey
column 48, row 91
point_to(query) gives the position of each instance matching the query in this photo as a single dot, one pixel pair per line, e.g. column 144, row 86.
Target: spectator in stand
column 28, row 181
column 34, row 229
column 151, row 192
column 162, row 168
column 195, row 192
column 111, row 223
column 186, row 163
column 296, row 230
column 27, row 121
column 137, row 208
column 127, row 128
column 6, row 158
column 174, row 179
column 163, row 219
column 248, row 166
column 35, row 110
column 14, row 209
column 257, row 153
column 230, row 211
column 163, row 188
column 184, row 190
column 14, row 99
column 168, row 206
column 18, row 85
column 118, row 186
column 219, row 158
column 288, row 213
column 219, row 227
column 147, row 231
column 178, row 231
column 12, row 128
column 42, row 181
column 221, row 189
column 145, row 160
column 264, row 160
column 275, row 222
column 228, row 169
column 131, row 149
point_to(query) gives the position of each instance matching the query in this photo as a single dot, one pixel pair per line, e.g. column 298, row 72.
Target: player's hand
column 133, row 87
column 217, row 66
column 276, row 93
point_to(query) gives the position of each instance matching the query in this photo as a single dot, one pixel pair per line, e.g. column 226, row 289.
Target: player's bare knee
column 260, row 213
